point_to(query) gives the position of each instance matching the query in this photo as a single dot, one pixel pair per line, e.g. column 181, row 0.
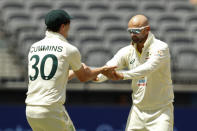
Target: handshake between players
column 107, row 71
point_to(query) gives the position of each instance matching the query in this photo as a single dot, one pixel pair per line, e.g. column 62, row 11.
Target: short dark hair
column 56, row 28
column 55, row 18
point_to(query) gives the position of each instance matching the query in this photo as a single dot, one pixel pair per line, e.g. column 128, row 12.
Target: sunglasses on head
column 136, row 30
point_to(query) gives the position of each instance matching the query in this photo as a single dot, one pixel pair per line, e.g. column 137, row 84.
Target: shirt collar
column 51, row 34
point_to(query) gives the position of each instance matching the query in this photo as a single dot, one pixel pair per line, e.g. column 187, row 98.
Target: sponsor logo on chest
column 132, row 61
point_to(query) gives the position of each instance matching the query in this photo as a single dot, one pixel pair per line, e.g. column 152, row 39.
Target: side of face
column 64, row 28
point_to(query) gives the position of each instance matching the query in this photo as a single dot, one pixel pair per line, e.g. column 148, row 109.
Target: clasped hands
column 108, row 71
column 111, row 73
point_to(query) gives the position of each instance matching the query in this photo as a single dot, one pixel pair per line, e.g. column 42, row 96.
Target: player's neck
column 140, row 46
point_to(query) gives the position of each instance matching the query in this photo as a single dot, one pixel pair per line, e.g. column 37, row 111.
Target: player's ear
column 147, row 29
column 67, row 26
column 62, row 27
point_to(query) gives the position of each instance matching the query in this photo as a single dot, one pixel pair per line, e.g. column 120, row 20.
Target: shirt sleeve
column 157, row 58
column 118, row 60
column 74, row 59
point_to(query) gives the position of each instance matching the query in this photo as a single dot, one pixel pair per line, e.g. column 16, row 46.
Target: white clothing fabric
column 150, row 73
column 48, row 67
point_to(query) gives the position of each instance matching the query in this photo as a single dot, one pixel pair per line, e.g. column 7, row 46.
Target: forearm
column 143, row 70
column 85, row 73
column 158, row 58
column 136, row 73
column 92, row 74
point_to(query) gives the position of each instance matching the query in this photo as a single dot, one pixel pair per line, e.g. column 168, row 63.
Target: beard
column 138, row 40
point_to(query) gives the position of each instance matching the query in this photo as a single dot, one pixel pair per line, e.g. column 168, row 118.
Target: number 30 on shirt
column 42, row 67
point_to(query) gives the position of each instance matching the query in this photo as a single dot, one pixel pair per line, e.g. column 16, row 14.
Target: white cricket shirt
column 150, row 73
column 48, row 67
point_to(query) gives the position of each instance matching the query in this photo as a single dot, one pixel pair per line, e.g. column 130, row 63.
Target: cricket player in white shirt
column 48, row 68
column 148, row 61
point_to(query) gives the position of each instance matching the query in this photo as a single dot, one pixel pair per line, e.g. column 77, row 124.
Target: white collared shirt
column 48, row 67
column 150, row 73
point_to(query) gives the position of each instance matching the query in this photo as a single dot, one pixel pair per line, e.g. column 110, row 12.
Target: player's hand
column 114, row 75
column 111, row 73
column 95, row 79
column 108, row 69
column 118, row 76
column 87, row 68
column 84, row 66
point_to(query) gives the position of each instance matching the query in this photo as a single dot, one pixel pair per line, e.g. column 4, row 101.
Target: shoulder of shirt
column 37, row 43
column 158, row 44
column 68, row 47
column 65, row 43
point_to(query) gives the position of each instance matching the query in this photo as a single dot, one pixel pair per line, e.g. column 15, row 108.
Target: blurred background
column 98, row 30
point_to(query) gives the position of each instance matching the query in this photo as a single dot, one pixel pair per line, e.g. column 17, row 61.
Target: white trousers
column 151, row 120
column 46, row 118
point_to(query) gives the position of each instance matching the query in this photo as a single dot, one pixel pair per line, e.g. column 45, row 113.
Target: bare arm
column 80, row 70
column 85, row 73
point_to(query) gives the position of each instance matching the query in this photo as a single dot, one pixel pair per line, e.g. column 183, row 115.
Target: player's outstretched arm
column 85, row 73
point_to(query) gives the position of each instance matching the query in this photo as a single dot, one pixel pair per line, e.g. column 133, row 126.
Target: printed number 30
column 43, row 61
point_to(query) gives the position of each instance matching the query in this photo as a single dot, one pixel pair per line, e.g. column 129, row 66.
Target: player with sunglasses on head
column 148, row 62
